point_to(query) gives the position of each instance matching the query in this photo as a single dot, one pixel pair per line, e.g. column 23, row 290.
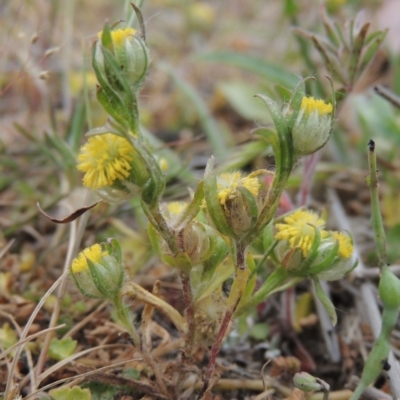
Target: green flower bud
column 128, row 63
column 306, row 382
column 231, row 201
column 97, row 271
column 195, row 239
column 312, row 127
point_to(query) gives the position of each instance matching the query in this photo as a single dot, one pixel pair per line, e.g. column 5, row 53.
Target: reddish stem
column 215, row 350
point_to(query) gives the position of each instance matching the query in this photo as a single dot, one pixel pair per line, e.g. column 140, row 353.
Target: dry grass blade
column 6, row 248
column 60, row 364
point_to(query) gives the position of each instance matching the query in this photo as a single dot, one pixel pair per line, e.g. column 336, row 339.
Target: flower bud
column 128, row 53
column 232, row 202
column 312, row 127
column 97, row 271
column 196, row 240
column 308, row 383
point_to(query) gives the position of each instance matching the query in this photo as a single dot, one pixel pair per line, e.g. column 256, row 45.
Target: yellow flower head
column 105, row 159
column 298, row 229
column 345, row 244
column 118, row 36
column 227, row 183
column 94, row 253
column 309, row 104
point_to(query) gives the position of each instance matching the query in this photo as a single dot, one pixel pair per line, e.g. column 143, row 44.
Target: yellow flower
column 298, row 229
column 345, row 244
column 94, row 253
column 309, row 104
column 227, row 183
column 119, row 35
column 105, row 159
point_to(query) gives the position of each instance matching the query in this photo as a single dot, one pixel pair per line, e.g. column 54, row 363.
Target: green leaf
column 192, row 209
column 62, row 349
column 378, row 120
column 221, row 250
column 74, row 393
column 265, row 69
column 241, row 97
column 327, row 262
column 326, row 301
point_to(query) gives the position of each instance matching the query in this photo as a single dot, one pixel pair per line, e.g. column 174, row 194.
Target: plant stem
column 189, row 306
column 377, row 224
column 157, row 220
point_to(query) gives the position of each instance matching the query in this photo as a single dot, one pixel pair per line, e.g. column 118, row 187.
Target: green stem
column 124, row 317
column 377, row 358
column 377, row 223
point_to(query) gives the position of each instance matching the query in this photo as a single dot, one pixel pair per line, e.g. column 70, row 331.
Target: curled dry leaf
column 69, row 218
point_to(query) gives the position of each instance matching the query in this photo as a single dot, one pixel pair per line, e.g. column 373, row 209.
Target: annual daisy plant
column 209, row 238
